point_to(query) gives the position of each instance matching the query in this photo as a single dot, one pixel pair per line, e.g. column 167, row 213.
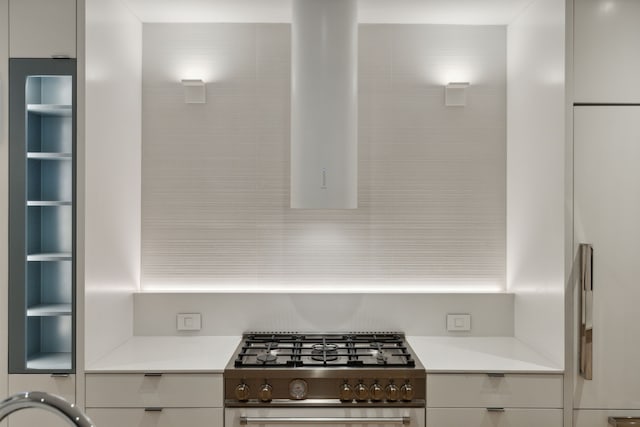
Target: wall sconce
column 194, row 91
column 455, row 94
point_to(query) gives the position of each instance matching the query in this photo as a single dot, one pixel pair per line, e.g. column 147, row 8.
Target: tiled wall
column 215, row 177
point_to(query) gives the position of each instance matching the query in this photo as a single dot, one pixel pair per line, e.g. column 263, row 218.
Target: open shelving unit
column 42, row 216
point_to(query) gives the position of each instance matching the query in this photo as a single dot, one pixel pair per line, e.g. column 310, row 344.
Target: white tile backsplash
column 216, row 176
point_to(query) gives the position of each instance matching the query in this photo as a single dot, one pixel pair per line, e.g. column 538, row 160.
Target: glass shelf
column 49, row 156
column 50, row 361
column 48, row 203
column 58, row 110
column 52, row 256
column 49, row 310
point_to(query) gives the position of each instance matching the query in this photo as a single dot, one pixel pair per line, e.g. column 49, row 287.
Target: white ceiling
column 467, row 12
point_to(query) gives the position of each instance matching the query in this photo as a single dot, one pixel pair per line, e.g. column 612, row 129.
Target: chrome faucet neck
column 50, row 402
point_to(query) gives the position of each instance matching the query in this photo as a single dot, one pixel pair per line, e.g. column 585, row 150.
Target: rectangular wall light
column 194, row 91
column 455, row 94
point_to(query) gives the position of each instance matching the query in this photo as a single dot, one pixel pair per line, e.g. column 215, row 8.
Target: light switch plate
column 458, row 322
column 189, row 321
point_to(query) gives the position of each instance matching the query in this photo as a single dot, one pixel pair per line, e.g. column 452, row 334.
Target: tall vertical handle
column 586, row 310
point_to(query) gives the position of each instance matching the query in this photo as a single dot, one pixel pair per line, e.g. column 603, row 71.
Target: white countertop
column 168, row 354
column 479, row 354
column 211, row 354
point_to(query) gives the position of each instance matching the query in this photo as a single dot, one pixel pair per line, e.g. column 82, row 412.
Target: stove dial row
column 376, row 393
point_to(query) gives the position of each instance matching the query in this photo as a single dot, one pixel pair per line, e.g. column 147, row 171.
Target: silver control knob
column 406, row 392
column 265, row 393
column 346, row 393
column 393, row 393
column 242, row 392
column 377, row 392
column 362, row 392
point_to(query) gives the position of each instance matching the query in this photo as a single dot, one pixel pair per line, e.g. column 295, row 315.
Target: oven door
column 324, row 417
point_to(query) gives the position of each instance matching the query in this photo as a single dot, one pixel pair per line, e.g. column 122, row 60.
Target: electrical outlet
column 458, row 322
column 189, row 321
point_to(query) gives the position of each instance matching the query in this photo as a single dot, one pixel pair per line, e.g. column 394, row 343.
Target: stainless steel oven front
column 325, row 416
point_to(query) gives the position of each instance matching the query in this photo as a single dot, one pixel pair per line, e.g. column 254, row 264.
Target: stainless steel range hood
column 324, row 105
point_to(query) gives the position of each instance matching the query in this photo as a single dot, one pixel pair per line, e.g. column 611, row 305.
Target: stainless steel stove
column 336, row 369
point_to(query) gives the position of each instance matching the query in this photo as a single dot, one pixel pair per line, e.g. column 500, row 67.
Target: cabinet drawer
column 168, row 417
column 483, row 390
column 478, row 417
column 36, row 417
column 160, row 390
column 63, row 386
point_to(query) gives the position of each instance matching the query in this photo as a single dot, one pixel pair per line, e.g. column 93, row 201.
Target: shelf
column 49, row 156
column 43, row 310
column 56, row 256
column 47, row 203
column 50, row 110
column 50, row 361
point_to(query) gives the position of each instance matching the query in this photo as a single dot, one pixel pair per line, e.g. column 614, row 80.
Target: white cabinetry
column 157, row 399
column 606, row 54
column 42, row 28
column 479, row 400
column 60, row 385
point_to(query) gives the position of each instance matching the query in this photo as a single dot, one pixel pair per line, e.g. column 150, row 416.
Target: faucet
column 50, row 402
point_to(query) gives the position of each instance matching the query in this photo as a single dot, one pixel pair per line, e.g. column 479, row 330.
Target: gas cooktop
column 324, row 350
column 371, row 368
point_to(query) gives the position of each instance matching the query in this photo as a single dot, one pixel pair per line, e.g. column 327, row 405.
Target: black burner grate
column 324, row 350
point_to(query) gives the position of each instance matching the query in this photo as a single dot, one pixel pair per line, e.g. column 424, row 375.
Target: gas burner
column 324, row 352
column 266, row 357
column 381, row 356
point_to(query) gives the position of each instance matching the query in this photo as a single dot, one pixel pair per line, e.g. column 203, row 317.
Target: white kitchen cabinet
column 479, row 417
column 606, row 54
column 154, row 399
column 153, row 390
column 606, row 212
column 42, row 28
column 489, row 390
column 494, row 400
column 63, row 386
column 167, row 417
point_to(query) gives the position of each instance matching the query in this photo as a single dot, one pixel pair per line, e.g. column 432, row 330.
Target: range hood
column 324, row 105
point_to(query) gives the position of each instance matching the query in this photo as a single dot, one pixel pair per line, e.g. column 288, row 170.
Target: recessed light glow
column 326, row 286
column 607, row 6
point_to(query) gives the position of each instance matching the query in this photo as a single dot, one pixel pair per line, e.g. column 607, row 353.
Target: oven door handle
column 325, row 420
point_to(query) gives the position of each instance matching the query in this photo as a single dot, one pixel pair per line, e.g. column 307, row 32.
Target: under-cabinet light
column 455, row 94
column 194, row 91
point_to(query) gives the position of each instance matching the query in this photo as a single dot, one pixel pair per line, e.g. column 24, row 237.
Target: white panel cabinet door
column 42, row 28
column 607, row 215
column 606, row 53
column 63, row 386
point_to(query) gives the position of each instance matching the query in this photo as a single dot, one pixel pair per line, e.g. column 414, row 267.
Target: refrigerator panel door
column 607, row 215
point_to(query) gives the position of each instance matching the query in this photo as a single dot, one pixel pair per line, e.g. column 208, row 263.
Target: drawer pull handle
column 59, row 375
column 152, row 409
column 624, row 421
column 495, row 409
column 152, row 374
column 495, row 375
